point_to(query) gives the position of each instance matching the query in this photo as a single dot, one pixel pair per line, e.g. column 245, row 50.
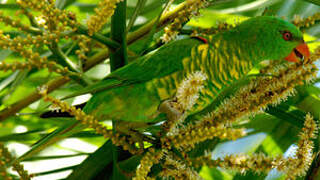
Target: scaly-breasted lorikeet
column 139, row 87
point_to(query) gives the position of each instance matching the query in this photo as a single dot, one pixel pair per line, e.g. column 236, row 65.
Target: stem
column 113, row 45
column 63, row 60
column 118, row 59
column 118, row 34
column 139, row 7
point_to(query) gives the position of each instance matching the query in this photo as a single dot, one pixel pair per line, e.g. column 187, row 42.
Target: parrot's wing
column 156, row 64
column 105, row 84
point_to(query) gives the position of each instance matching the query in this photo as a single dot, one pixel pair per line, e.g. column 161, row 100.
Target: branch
column 98, row 37
column 118, row 59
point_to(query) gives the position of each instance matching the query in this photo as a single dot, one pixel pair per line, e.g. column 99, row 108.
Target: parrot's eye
column 287, row 36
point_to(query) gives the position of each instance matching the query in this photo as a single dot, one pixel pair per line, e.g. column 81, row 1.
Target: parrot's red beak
column 300, row 53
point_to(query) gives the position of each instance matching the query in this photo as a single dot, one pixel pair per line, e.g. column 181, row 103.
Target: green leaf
column 4, row 53
column 8, row 80
column 214, row 174
column 93, row 164
column 37, row 158
column 62, row 4
column 316, row 2
column 9, row 6
column 26, row 136
column 54, row 171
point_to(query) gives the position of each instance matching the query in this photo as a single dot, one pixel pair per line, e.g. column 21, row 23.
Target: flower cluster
column 188, row 139
column 104, row 11
column 34, row 59
column 81, row 116
column 178, row 170
column 15, row 23
column 90, row 121
column 260, row 163
column 300, row 163
column 54, row 18
column 184, row 15
column 307, row 22
column 5, row 159
column 186, row 96
column 188, row 91
column 148, row 160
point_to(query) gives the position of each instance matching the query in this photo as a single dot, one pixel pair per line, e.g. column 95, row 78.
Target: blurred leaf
column 271, row 147
column 294, row 117
column 246, row 145
column 44, row 142
column 8, row 80
column 281, row 134
column 54, row 171
column 317, row 2
column 62, row 4
column 312, row 42
column 130, row 165
column 211, row 18
column 310, row 104
column 4, row 54
column 26, row 136
column 249, row 176
column 93, row 164
column 214, row 174
column 9, row 6
column 37, row 158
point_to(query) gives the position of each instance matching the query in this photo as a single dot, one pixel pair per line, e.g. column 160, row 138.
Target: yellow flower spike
column 16, row 166
column 103, row 12
column 34, row 59
column 55, row 18
column 300, row 163
column 186, row 96
column 177, row 169
column 78, row 113
column 147, row 161
column 171, row 31
column 293, row 167
column 307, row 22
column 14, row 23
column 89, row 121
column 84, row 43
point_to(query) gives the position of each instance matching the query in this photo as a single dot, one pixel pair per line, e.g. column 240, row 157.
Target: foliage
column 260, row 128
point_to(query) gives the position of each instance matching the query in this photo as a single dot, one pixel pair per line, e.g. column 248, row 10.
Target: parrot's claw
column 169, row 107
column 129, row 129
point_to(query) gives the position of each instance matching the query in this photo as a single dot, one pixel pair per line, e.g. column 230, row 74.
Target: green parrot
column 134, row 92
column 137, row 89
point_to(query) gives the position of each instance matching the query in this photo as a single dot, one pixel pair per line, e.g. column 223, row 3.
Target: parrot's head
column 274, row 39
